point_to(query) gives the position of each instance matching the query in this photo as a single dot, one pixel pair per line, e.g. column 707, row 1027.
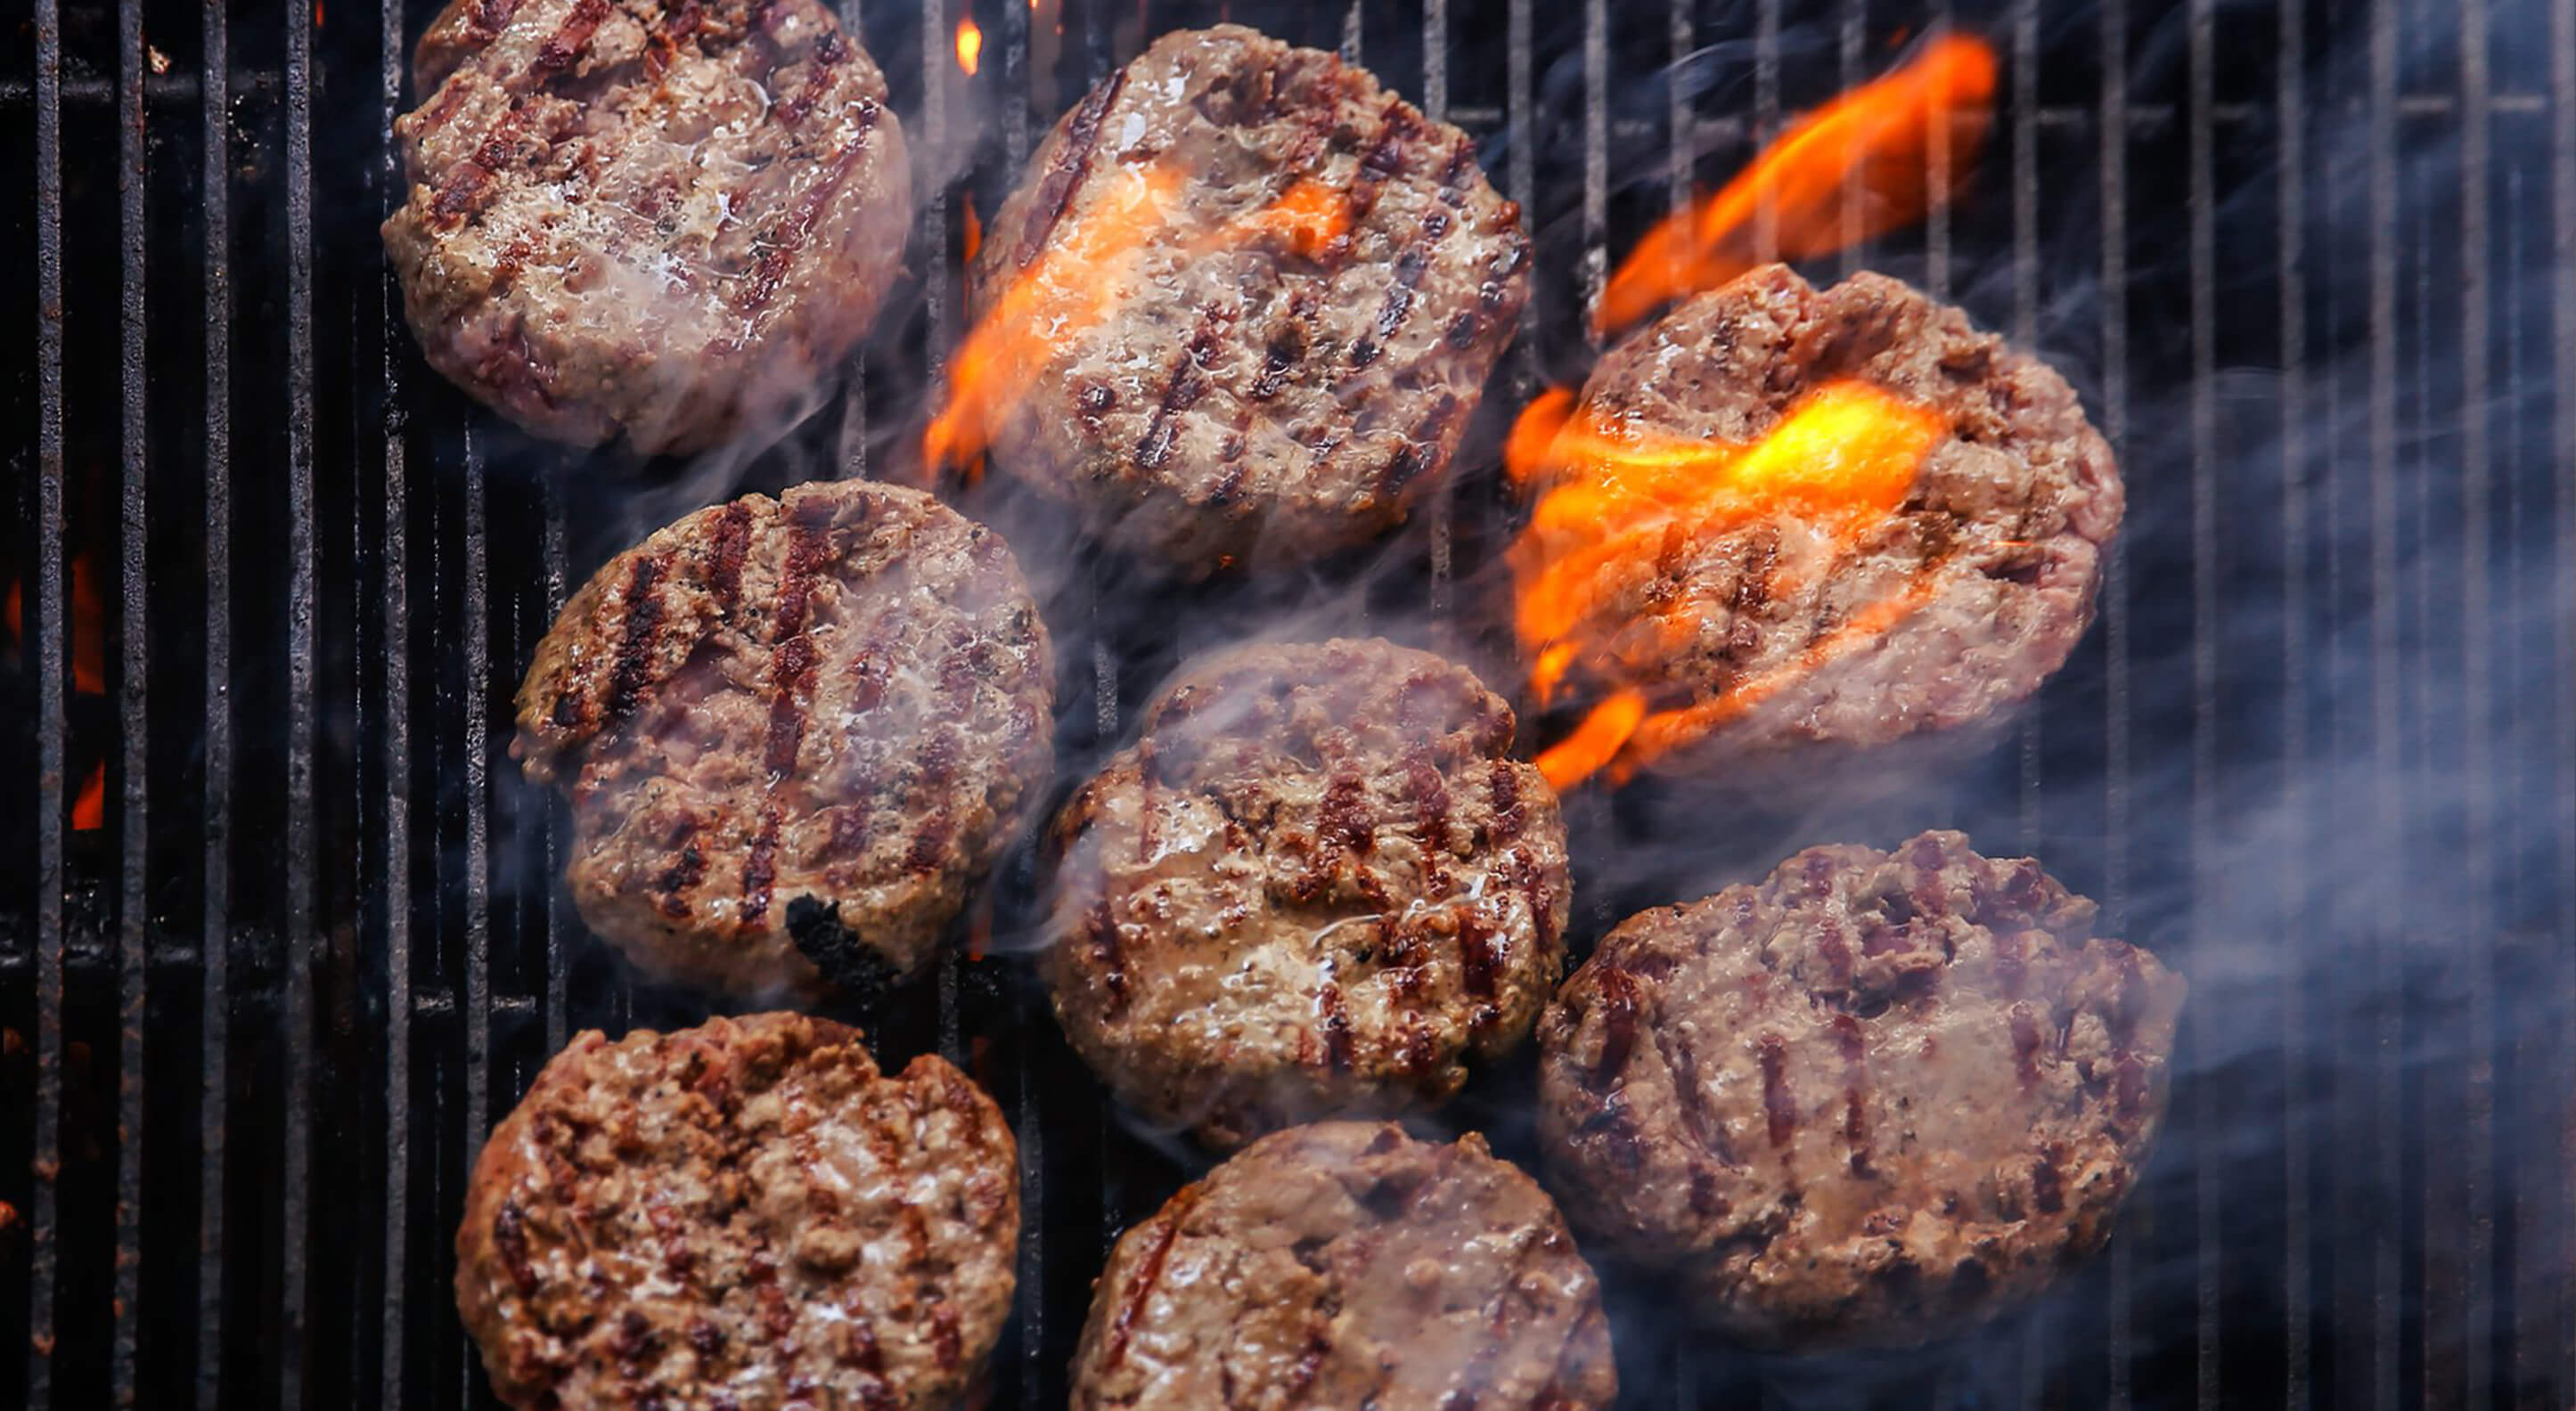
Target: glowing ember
column 1854, row 169
column 1080, row 281
column 970, row 46
column 1617, row 503
column 89, row 671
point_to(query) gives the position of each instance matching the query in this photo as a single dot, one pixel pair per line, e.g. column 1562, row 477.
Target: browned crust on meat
column 661, row 220
column 2001, row 536
column 1318, row 884
column 1866, row 1101
column 823, row 711
column 1343, row 1265
column 742, row 1214
column 1247, row 401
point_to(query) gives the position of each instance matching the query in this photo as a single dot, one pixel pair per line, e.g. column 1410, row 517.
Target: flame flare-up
column 1608, row 493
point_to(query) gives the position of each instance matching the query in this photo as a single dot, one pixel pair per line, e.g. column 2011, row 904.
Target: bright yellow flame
column 970, row 46
column 1616, row 503
column 1854, row 169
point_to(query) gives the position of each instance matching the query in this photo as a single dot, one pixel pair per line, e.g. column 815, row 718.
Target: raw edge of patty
column 1347, row 1264
column 1253, row 400
column 1318, row 884
column 2004, row 530
column 668, row 1215
column 796, row 733
column 1867, row 1101
column 567, row 254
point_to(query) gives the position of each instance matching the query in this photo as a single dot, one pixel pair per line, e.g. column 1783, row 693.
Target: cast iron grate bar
column 2387, row 762
column 215, row 934
column 132, row 773
column 2291, row 213
column 51, row 722
column 399, row 1017
column 2203, row 863
column 2113, row 136
column 303, row 937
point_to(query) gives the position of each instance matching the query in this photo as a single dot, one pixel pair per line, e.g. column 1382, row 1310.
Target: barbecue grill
column 286, row 938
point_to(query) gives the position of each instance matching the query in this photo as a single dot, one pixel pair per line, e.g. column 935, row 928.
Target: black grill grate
column 2313, row 263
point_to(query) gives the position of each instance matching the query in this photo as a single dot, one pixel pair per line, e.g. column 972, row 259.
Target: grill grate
column 261, row 1018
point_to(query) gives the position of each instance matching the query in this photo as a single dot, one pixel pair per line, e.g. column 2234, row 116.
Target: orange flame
column 1854, row 169
column 1616, row 502
column 1082, row 278
column 970, row 46
column 89, row 670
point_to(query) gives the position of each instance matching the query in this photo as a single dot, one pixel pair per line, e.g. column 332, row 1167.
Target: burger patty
column 795, row 733
column 1264, row 295
column 1348, row 1265
column 1316, row 885
column 1760, row 623
column 1863, row 1102
column 742, row 1215
column 645, row 219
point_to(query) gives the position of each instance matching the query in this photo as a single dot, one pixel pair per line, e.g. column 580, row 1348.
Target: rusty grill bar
column 260, row 1020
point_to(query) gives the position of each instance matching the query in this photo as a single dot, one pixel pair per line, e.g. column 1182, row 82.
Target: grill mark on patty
column 565, row 46
column 627, row 678
column 2047, row 1191
column 1335, row 1023
column 732, row 543
column 1510, row 814
column 688, row 868
column 760, row 869
column 1682, row 1061
column 792, row 658
column 1385, row 157
column 2026, row 1043
column 1122, row 1327
column 1067, row 172
column 1183, row 384
column 790, row 234
column 1779, row 1109
column 819, row 76
column 1619, row 1007
column 1420, row 448
column 1409, row 267
column 1100, row 939
column 1855, row 1051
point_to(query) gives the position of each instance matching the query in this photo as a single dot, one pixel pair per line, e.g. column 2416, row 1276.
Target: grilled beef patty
column 744, row 1214
column 1346, row 1265
column 1269, row 293
column 795, row 732
column 1762, row 635
column 1865, row 1101
column 662, row 221
column 1317, row 884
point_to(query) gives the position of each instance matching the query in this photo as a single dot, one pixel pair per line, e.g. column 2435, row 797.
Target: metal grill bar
column 1596, row 155
column 51, row 722
column 1766, row 120
column 2203, row 200
column 478, row 802
column 303, row 938
column 399, row 1015
column 215, row 933
column 2562, row 93
column 2114, row 100
column 2291, row 273
column 2476, row 1206
column 131, row 686
column 2382, row 413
